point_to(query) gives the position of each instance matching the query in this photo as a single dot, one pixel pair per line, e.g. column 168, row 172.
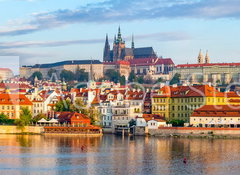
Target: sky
column 45, row 31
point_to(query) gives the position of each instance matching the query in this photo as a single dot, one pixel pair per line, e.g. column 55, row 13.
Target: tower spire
column 133, row 45
column 207, row 58
column 106, row 53
column 119, row 30
column 119, row 35
column 200, row 57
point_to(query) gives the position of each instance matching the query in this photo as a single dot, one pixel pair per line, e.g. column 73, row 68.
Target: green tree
column 25, row 118
column 177, row 122
column 112, row 75
column 160, row 80
column 39, row 117
column 38, row 75
column 132, row 77
column 63, row 106
column 140, row 80
column 218, row 81
column 80, row 107
column 94, row 115
column 122, row 80
column 81, row 75
column 3, row 118
column 175, row 79
column 51, row 71
column 132, row 122
column 67, row 75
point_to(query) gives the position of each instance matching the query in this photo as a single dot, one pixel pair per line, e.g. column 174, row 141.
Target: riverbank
column 192, row 132
column 16, row 130
column 50, row 130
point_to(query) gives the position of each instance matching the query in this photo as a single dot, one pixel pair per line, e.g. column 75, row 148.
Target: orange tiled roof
column 189, row 91
column 148, row 117
column 217, row 111
column 14, row 99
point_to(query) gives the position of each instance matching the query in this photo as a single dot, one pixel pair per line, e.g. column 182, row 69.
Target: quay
column 89, row 130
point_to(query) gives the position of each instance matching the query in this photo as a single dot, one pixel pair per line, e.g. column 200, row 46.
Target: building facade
column 12, row 104
column 205, row 72
column 212, row 116
column 93, row 67
column 179, row 102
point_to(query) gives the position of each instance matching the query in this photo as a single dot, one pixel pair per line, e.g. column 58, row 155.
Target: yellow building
column 11, row 104
column 161, row 102
column 179, row 102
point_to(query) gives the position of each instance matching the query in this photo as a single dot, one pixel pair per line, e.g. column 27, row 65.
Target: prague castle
column 142, row 61
column 121, row 52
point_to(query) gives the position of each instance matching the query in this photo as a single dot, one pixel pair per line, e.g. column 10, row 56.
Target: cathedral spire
column 207, row 58
column 119, row 30
column 106, row 38
column 133, row 45
column 119, row 39
column 200, row 57
column 106, row 53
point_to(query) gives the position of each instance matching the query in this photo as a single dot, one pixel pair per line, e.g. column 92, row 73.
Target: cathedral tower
column 207, row 58
column 118, row 46
column 200, row 57
column 106, row 53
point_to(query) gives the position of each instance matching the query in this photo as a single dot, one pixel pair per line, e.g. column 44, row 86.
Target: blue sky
column 41, row 31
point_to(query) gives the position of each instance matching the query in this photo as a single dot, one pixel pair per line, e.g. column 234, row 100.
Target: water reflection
column 36, row 154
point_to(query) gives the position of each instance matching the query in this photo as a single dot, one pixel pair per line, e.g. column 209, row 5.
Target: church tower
column 118, row 46
column 106, row 53
column 207, row 58
column 200, row 57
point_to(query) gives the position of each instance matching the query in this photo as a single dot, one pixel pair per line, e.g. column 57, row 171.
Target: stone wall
column 140, row 131
column 15, row 130
column 165, row 131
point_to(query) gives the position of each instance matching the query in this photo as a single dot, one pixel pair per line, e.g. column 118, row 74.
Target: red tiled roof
column 14, row 86
column 150, row 61
column 148, row 117
column 117, row 62
column 205, row 65
column 217, row 111
column 189, row 91
column 14, row 99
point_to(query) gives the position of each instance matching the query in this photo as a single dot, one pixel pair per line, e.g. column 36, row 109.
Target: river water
column 53, row 155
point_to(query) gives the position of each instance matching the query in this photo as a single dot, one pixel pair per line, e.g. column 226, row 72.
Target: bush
column 5, row 120
column 177, row 123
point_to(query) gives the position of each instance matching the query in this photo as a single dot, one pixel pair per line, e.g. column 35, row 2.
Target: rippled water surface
column 116, row 155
